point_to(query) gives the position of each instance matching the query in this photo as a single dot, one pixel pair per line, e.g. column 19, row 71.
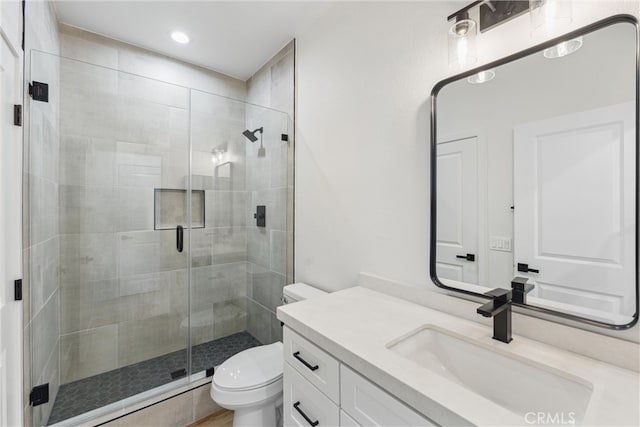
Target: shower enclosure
column 142, row 243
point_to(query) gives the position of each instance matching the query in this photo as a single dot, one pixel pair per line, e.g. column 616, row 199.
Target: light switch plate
column 497, row 243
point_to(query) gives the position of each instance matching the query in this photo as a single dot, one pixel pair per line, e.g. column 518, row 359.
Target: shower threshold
column 94, row 392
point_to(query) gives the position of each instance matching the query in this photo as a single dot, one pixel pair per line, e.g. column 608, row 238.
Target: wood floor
column 222, row 418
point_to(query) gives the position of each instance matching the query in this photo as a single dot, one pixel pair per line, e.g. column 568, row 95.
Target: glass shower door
column 109, row 208
column 238, row 264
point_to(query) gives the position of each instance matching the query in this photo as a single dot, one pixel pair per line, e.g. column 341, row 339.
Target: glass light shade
column 563, row 49
column 481, row 77
column 462, row 43
column 549, row 16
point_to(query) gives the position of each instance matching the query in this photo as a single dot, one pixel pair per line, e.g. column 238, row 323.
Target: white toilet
column 250, row 382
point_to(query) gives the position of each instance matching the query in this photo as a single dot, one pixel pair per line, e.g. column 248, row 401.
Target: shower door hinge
column 17, row 115
column 17, row 288
column 39, row 395
column 39, row 91
column 284, row 137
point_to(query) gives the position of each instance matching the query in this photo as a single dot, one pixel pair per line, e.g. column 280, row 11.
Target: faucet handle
column 520, row 284
column 499, row 295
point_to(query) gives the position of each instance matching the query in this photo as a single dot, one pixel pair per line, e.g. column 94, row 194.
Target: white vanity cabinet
column 320, row 391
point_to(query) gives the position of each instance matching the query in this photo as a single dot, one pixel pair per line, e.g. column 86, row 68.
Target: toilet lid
column 252, row 368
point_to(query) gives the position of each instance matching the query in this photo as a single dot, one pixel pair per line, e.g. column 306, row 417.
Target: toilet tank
column 299, row 292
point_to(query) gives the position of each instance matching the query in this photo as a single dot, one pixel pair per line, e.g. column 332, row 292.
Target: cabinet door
column 369, row 405
column 304, row 405
column 347, row 421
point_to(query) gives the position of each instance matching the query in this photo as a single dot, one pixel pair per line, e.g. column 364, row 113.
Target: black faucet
column 500, row 309
column 520, row 289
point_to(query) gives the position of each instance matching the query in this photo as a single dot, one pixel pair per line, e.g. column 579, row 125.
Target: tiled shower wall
column 107, row 289
column 123, row 285
column 270, row 183
column 41, row 255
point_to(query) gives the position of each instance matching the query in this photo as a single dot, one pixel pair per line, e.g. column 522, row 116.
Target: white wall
column 365, row 72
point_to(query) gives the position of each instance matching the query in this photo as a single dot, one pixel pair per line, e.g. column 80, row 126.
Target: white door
column 574, row 218
column 10, row 214
column 457, row 210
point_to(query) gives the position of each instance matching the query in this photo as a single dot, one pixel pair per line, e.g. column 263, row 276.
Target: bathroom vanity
column 361, row 357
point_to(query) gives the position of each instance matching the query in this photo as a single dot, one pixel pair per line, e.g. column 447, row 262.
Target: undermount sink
column 517, row 384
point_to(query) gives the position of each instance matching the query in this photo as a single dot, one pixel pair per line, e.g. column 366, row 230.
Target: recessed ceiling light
column 563, row 49
column 481, row 77
column 180, row 37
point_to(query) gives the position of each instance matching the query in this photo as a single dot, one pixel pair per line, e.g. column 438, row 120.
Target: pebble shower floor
column 90, row 393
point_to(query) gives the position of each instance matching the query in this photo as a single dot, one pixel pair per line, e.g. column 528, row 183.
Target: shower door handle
column 179, row 238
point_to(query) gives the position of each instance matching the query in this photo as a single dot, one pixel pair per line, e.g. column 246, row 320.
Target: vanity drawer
column 314, row 364
column 369, row 405
column 301, row 399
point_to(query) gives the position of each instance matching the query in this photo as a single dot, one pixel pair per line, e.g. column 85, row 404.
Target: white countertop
column 355, row 325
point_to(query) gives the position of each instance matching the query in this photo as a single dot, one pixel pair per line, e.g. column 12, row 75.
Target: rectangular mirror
column 534, row 167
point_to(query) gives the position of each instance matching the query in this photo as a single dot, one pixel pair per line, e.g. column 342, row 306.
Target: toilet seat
column 250, row 369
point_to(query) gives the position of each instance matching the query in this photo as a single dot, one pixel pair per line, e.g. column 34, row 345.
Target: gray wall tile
column 87, row 305
column 87, row 161
column 88, row 256
column 89, row 352
column 135, row 209
column 46, row 332
column 139, row 252
column 259, row 322
column 226, row 208
column 150, row 337
column 278, row 251
column 219, row 282
column 43, row 208
column 258, row 246
column 87, row 209
column 174, row 412
column 43, row 272
column 203, row 404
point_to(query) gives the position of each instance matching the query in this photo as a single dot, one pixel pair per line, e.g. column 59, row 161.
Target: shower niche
column 171, row 208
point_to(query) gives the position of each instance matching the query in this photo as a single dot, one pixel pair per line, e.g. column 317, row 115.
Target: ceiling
column 234, row 37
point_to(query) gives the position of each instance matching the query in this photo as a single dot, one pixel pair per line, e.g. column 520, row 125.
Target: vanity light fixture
column 180, row 37
column 480, row 15
column 548, row 16
column 563, row 49
column 481, row 77
column 462, row 41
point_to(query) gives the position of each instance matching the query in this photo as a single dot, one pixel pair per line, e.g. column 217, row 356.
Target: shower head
column 251, row 135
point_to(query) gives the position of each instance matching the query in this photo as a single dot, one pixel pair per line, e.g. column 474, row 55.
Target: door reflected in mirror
column 536, row 177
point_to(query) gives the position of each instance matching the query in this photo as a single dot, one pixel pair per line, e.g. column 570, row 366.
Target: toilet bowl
column 250, row 382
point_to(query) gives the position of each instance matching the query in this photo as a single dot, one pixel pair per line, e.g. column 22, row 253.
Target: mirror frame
column 433, row 174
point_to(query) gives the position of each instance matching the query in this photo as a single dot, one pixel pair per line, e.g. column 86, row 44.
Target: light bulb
column 180, row 37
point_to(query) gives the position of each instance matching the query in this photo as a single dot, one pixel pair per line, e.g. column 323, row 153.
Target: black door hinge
column 17, row 287
column 284, row 137
column 39, row 91
column 39, row 395
column 17, row 115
